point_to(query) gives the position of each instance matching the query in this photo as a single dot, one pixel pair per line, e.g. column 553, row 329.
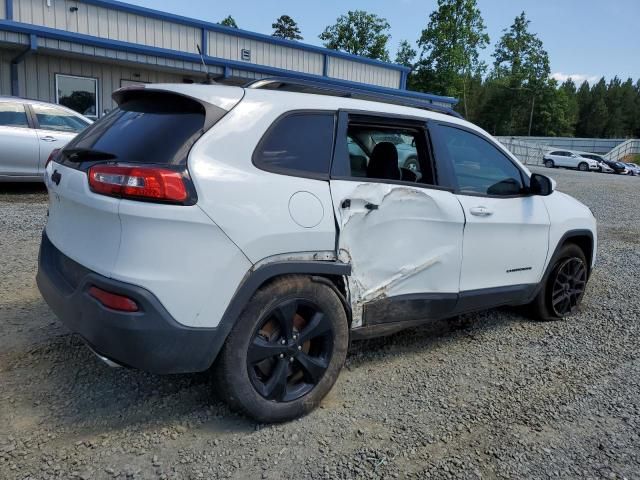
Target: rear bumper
column 150, row 339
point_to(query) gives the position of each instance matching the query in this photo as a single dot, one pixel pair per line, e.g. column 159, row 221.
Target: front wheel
column 563, row 290
column 286, row 350
column 583, row 167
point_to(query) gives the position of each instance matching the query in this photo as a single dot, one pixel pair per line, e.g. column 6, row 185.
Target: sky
column 586, row 39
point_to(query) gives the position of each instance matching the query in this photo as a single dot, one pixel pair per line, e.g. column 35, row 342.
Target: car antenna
column 209, row 80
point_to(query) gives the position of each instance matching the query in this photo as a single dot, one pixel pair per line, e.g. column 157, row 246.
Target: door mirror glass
column 540, row 185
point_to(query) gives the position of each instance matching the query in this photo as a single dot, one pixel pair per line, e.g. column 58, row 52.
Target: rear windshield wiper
column 82, row 154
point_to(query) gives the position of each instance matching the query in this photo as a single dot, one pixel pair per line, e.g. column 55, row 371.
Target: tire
column 583, row 167
column 549, row 164
column 542, row 307
column 292, row 379
column 412, row 164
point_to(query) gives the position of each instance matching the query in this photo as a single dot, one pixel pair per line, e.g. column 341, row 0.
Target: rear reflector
column 113, row 300
column 150, row 183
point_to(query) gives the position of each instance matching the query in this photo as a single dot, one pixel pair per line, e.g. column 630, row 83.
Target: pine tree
column 286, row 27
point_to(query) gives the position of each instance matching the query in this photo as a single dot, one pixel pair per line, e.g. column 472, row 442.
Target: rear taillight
column 141, row 183
column 52, row 156
column 113, row 300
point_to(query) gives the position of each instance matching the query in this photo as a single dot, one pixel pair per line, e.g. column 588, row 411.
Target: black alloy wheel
column 568, row 287
column 290, row 350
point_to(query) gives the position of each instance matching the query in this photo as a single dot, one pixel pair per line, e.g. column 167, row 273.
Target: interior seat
column 384, row 162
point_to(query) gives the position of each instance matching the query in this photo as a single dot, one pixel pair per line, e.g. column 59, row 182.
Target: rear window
column 157, row 129
column 298, row 144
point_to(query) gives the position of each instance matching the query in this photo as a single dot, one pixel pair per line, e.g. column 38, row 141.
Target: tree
column 450, row 48
column 359, row 33
column 521, row 70
column 286, row 27
column 406, row 54
column 229, row 22
column 583, row 99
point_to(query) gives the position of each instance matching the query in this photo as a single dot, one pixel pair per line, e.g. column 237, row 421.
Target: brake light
column 52, row 156
column 113, row 300
column 148, row 183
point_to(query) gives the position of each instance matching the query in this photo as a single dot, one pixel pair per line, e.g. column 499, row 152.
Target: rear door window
column 298, row 144
column 155, row 129
column 13, row 115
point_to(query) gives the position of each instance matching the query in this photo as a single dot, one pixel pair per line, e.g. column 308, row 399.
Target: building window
column 78, row 93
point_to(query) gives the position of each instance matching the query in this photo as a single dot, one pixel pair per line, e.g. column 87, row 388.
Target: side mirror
column 541, row 185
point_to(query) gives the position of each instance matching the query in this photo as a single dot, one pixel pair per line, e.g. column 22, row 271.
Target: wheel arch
column 330, row 273
column 583, row 239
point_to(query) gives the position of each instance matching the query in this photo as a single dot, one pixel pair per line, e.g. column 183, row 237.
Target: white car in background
column 29, row 132
column 570, row 159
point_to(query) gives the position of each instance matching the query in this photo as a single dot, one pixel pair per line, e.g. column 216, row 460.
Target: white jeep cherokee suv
column 204, row 225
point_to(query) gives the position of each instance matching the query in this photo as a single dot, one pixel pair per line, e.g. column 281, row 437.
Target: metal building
column 77, row 52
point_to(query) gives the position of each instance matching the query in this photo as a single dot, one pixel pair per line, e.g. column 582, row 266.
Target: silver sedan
column 29, row 132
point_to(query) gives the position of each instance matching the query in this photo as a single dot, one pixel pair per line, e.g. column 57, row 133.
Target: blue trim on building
column 63, row 35
column 204, row 42
column 215, row 27
column 9, row 9
column 403, row 80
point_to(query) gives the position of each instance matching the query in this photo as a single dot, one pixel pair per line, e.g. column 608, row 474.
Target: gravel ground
column 492, row 396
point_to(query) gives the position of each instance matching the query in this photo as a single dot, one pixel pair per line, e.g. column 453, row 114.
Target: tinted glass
column 13, row 115
column 78, row 93
column 52, row 118
column 479, row 167
column 299, row 143
column 159, row 129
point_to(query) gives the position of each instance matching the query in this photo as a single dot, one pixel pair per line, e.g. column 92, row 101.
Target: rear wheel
column 286, row 350
column 583, row 167
column 564, row 288
column 549, row 163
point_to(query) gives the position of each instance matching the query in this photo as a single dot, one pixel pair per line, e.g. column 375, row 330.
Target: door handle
column 370, row 206
column 49, row 138
column 480, row 211
column 346, row 203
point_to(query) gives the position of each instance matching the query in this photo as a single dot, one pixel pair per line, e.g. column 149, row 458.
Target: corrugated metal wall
column 3, row 9
column 39, row 83
column 229, row 47
column 363, row 73
column 108, row 23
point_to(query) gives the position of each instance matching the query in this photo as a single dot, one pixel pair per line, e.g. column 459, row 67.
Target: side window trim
column 31, row 116
column 340, row 167
column 292, row 171
column 441, row 151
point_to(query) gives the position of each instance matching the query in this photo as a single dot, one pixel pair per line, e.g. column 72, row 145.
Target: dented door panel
column 399, row 240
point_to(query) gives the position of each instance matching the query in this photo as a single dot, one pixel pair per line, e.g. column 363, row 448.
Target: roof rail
column 359, row 93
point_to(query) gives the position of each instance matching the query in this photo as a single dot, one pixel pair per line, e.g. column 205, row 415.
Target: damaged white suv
column 205, row 225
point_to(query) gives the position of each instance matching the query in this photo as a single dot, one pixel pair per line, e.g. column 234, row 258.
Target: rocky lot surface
column 492, row 395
